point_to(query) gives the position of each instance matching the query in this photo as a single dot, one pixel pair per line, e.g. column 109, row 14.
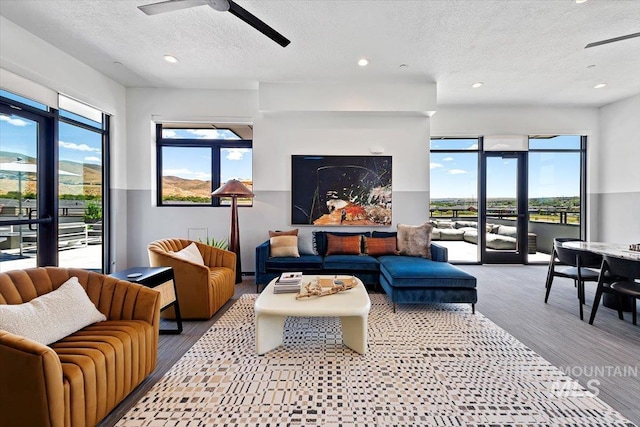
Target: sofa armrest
column 439, row 253
column 216, row 257
column 262, row 255
column 32, row 391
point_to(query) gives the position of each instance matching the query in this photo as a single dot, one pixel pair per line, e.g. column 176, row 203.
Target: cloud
column 448, row 159
column 79, row 147
column 211, row 133
column 187, row 174
column 236, row 153
column 168, row 133
column 456, row 172
column 92, row 159
column 13, row 122
column 473, row 147
column 433, row 165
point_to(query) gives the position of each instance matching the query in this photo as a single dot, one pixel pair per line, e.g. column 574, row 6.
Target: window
column 194, row 160
column 454, row 178
column 555, row 171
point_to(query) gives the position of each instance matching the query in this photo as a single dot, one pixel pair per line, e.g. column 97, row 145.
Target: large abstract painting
column 341, row 190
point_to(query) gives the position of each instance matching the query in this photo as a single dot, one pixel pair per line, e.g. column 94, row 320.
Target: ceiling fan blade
column 170, row 6
column 615, row 39
column 257, row 24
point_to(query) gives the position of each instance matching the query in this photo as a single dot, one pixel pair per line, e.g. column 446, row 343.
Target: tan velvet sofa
column 79, row 379
column 202, row 289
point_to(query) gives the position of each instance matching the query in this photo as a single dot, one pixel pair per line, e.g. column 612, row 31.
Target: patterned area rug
column 435, row 365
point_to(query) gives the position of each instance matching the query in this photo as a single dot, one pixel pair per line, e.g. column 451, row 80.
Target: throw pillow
column 53, row 316
column 343, row 245
column 293, row 232
column 284, row 246
column 306, row 244
column 378, row 246
column 191, row 253
column 415, row 240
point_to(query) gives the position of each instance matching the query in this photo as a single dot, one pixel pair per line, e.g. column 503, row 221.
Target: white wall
column 30, row 57
column 277, row 135
column 617, row 161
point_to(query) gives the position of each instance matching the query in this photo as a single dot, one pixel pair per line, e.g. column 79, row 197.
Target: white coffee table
column 352, row 307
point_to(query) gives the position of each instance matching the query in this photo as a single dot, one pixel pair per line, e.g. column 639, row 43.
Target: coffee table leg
column 354, row 333
column 269, row 332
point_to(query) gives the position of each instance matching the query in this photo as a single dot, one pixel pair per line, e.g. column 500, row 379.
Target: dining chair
column 627, row 273
column 573, row 264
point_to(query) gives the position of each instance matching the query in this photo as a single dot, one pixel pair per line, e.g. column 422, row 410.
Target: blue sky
column 76, row 144
column 195, row 163
column 454, row 175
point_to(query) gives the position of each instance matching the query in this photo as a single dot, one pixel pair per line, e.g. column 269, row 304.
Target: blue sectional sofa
column 405, row 279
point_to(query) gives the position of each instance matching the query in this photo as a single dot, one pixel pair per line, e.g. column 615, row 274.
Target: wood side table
column 161, row 279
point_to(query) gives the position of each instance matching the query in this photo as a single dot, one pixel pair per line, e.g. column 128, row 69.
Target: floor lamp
column 234, row 189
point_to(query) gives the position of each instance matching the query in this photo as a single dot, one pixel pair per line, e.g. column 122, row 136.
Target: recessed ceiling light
column 363, row 62
column 404, row 66
column 591, row 66
column 170, row 58
column 581, row 1
column 599, row 85
column 476, row 85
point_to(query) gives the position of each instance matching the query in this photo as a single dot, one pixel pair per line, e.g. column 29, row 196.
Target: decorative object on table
column 326, row 286
column 634, row 247
column 234, row 189
column 341, row 190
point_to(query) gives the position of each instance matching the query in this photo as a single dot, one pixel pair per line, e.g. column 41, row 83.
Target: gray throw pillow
column 415, row 240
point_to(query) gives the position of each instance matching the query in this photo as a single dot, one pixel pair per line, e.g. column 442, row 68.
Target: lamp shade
column 232, row 188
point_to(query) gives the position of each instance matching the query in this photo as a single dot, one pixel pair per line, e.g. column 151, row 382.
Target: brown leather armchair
column 79, row 379
column 202, row 289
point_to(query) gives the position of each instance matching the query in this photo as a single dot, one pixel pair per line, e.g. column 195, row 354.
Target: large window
column 194, row 160
column 454, row 178
column 555, row 179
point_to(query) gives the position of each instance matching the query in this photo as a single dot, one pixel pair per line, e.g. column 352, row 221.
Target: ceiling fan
column 220, row 6
column 615, row 39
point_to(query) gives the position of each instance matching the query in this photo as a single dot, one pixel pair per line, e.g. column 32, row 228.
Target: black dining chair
column 573, row 264
column 627, row 273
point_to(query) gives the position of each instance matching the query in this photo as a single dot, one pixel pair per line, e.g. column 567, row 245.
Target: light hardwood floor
column 513, row 298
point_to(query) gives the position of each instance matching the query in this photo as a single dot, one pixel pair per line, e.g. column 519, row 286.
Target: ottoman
column 414, row 280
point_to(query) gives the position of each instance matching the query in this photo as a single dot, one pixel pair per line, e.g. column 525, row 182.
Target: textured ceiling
column 525, row 52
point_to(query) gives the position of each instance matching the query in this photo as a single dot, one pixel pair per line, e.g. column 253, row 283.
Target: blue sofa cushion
column 321, row 239
column 405, row 271
column 350, row 262
column 297, row 263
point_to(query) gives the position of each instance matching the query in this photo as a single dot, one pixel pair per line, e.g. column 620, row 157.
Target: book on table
column 288, row 282
column 290, row 277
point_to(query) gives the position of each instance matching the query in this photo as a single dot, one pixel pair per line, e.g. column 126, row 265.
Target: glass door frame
column 519, row 255
column 47, row 202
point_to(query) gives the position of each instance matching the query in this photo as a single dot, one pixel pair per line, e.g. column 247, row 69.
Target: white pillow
column 53, row 316
column 191, row 253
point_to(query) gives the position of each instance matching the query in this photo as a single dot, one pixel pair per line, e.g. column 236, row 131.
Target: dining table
column 619, row 250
